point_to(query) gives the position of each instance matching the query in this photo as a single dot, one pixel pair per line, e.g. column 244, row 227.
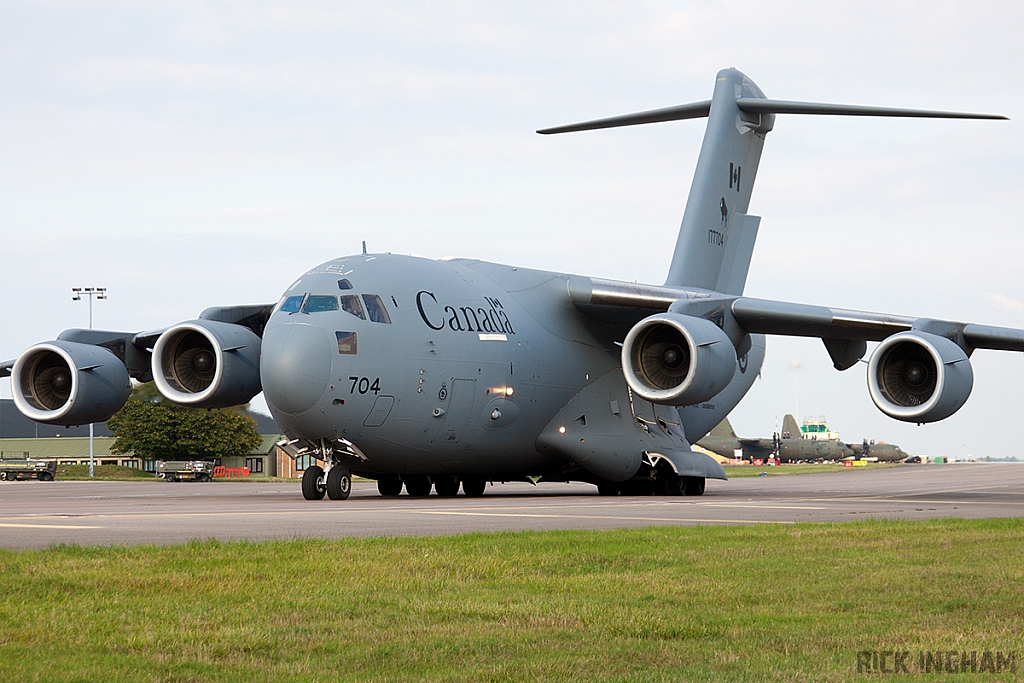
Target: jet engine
column 677, row 359
column 68, row 383
column 919, row 377
column 207, row 364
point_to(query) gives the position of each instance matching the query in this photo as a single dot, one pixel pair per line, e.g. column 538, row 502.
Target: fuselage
column 451, row 366
column 790, row 450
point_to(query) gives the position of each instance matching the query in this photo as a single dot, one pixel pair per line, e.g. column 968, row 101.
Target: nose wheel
column 313, row 485
column 339, row 483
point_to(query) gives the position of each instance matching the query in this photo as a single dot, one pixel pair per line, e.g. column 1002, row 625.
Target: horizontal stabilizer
column 696, row 110
column 757, row 105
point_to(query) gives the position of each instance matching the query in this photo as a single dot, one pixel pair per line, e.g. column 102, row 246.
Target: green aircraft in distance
column 723, row 441
column 883, row 452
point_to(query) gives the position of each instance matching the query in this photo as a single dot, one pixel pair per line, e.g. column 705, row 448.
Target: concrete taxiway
column 38, row 514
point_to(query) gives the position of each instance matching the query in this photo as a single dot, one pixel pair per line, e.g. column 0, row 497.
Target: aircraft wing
column 919, row 372
column 134, row 348
column 757, row 444
column 764, row 316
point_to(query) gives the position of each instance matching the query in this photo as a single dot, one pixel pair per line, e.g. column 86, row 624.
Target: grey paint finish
column 468, row 368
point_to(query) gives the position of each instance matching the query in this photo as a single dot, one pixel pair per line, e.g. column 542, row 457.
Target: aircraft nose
column 295, row 366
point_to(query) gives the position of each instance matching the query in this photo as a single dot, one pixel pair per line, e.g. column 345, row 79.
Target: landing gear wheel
column 418, row 485
column 672, row 485
column 638, row 488
column 313, row 487
column 446, row 485
column 339, row 483
column 389, row 485
column 693, row 486
column 607, row 488
column 473, row 486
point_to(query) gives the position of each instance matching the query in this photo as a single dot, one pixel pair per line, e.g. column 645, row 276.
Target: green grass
column 765, row 602
column 118, row 473
column 739, row 471
column 102, row 473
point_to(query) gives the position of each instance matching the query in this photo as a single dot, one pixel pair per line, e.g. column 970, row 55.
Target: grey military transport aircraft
column 431, row 374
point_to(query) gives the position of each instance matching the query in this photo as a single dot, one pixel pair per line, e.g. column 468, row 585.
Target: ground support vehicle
column 20, row 470
column 185, row 470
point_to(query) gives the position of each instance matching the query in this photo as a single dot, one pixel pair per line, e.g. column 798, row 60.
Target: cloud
column 1004, row 302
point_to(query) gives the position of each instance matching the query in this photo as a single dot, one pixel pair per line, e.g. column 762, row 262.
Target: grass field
column 102, row 473
column 739, row 471
column 118, row 473
column 765, row 602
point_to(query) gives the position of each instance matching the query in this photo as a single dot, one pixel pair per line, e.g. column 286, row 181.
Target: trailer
column 185, row 470
column 20, row 470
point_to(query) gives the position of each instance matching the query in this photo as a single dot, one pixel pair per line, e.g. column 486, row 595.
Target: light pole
column 99, row 293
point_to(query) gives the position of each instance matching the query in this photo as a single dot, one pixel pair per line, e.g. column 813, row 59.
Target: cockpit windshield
column 350, row 304
column 318, row 303
column 290, row 304
column 375, row 309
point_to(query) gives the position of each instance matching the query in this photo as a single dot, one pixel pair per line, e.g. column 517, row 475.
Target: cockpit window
column 344, row 284
column 375, row 309
column 290, row 304
column 346, row 342
column 350, row 304
column 318, row 303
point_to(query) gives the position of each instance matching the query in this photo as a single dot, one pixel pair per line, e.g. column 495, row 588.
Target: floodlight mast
column 99, row 293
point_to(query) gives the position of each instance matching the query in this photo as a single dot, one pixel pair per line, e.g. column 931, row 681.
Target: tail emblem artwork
column 384, row 365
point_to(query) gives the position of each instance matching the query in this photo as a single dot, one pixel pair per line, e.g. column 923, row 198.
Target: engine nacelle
column 207, row 364
column 919, row 377
column 677, row 359
column 68, row 383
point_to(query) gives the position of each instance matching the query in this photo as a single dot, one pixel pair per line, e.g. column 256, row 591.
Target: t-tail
column 716, row 238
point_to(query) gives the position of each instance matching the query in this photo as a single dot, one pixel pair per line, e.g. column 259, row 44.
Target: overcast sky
column 185, row 156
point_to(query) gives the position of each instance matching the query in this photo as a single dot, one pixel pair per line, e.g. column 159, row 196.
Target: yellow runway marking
column 45, row 526
column 602, row 517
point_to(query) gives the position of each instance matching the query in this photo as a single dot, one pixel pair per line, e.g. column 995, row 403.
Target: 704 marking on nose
column 365, row 385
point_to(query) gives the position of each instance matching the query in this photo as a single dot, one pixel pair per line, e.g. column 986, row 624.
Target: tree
column 154, row 429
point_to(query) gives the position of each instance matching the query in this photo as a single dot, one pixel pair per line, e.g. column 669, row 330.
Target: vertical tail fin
column 790, row 427
column 716, row 237
column 723, row 430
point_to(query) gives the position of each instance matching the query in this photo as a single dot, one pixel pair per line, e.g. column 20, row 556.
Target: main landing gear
column 670, row 485
column 419, row 485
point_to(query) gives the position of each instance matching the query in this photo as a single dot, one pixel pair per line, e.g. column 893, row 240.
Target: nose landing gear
column 337, row 483
column 313, row 485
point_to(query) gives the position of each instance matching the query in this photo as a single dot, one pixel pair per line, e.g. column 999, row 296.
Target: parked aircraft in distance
column 435, row 374
column 882, row 452
column 787, row 448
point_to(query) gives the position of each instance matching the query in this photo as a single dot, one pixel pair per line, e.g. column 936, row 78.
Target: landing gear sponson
column 337, row 485
column 335, row 479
